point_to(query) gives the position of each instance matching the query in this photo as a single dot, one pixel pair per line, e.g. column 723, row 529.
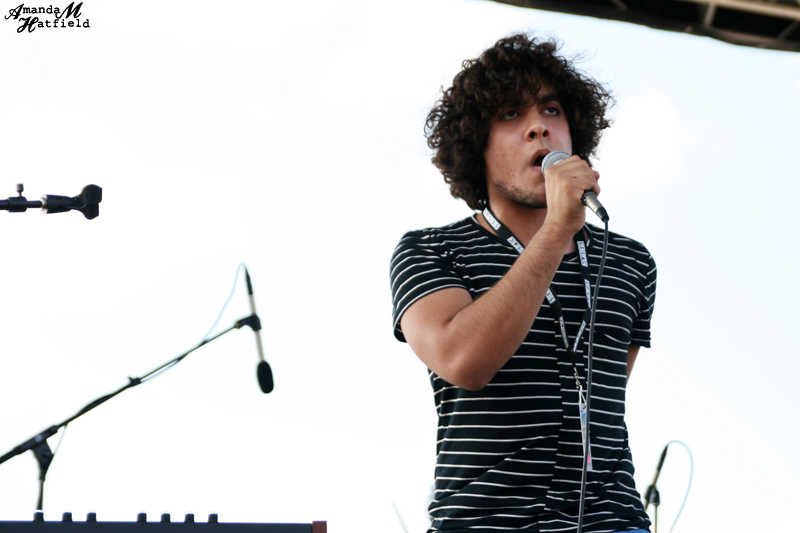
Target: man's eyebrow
column 547, row 98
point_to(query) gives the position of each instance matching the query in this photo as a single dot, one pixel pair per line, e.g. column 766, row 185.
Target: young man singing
column 480, row 302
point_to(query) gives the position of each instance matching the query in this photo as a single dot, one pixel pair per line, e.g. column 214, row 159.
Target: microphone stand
column 42, row 451
column 651, row 495
column 654, row 498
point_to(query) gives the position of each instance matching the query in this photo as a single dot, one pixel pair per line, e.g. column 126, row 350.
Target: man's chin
column 533, row 203
column 522, row 198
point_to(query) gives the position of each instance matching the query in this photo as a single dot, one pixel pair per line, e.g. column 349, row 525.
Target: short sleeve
column 421, row 264
column 640, row 335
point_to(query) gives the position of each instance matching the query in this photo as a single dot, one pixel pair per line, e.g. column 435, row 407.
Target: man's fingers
column 575, row 168
column 596, row 187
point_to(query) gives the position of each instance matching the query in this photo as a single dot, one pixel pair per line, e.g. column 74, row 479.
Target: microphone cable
column 589, row 199
column 586, row 449
column 206, row 337
column 230, row 296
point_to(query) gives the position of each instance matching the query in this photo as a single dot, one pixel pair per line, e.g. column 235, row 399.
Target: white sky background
column 289, row 136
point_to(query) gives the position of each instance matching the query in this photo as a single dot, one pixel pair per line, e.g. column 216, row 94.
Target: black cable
column 589, row 379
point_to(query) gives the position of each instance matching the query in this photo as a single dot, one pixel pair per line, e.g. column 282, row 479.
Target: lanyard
column 552, row 298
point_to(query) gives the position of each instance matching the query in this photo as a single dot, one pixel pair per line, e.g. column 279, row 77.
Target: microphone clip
column 86, row 202
column 652, row 497
column 252, row 321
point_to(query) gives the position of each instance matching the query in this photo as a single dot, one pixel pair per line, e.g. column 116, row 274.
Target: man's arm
column 633, row 351
column 466, row 342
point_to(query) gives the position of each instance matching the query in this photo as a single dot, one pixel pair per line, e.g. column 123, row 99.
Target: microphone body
column 589, row 198
column 263, row 371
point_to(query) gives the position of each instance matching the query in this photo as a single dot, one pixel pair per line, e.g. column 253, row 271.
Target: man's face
column 519, row 138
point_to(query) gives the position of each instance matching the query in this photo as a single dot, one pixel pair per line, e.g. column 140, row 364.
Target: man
column 479, row 302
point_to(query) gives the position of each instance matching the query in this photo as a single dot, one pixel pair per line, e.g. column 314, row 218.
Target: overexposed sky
column 289, row 136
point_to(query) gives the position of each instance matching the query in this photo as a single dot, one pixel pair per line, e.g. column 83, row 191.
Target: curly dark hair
column 508, row 75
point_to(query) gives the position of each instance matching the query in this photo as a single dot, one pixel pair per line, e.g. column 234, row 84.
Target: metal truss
column 773, row 24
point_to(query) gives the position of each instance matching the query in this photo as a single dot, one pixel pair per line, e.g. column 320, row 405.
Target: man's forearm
column 477, row 340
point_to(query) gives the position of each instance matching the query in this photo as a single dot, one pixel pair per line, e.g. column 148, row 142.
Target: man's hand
column 633, row 351
column 565, row 183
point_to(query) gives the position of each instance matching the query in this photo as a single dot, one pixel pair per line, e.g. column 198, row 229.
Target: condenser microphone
column 263, row 371
column 650, row 492
column 589, row 198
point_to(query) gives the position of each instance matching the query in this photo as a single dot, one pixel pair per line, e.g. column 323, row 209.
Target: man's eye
column 552, row 110
column 508, row 115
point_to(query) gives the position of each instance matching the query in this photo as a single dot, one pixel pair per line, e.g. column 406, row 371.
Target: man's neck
column 524, row 222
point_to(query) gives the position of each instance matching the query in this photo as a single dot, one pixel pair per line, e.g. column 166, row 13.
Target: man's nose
column 536, row 127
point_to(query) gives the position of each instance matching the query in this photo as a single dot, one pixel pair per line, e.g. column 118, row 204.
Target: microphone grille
column 264, row 374
column 552, row 158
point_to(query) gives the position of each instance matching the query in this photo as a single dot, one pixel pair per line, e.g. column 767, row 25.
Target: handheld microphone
column 263, row 371
column 589, row 198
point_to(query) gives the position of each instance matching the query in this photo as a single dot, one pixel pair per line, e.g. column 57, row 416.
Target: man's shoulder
column 621, row 243
column 463, row 225
column 624, row 252
column 438, row 235
column 423, row 263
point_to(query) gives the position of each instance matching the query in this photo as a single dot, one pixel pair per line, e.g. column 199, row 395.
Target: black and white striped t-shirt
column 510, row 455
